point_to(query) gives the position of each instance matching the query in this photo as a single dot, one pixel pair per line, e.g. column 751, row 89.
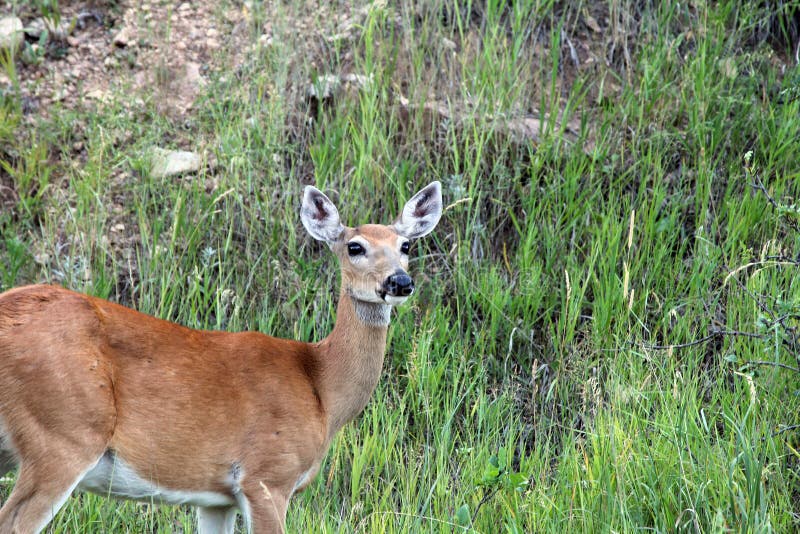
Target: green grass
column 528, row 386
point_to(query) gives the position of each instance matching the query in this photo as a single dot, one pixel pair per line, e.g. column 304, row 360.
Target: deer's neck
column 350, row 359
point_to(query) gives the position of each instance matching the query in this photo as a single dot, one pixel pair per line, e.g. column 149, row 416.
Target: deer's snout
column 399, row 284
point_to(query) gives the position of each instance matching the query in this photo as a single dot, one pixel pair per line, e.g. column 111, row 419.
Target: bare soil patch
column 143, row 49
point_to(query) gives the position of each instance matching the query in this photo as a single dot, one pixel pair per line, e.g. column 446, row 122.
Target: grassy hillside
column 605, row 336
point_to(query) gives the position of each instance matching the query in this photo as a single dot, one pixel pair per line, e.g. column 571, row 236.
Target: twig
column 791, row 331
column 484, row 500
column 753, row 263
column 785, row 429
column 760, row 186
column 775, row 364
column 712, row 335
column 362, row 524
column 763, row 307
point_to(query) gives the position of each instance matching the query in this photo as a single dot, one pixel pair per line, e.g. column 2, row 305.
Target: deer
column 98, row 397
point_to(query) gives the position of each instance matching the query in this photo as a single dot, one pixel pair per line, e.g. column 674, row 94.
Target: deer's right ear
column 320, row 216
column 421, row 214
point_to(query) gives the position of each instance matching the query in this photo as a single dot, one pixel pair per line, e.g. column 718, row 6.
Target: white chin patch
column 371, row 298
column 395, row 301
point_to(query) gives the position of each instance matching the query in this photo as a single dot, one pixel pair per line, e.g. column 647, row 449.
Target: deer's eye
column 355, row 249
column 405, row 247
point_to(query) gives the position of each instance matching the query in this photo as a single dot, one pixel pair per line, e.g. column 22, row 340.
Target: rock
column 165, row 163
column 193, row 76
column 359, row 81
column 62, row 31
column 11, row 33
column 233, row 15
column 43, row 258
column 123, row 37
column 98, row 95
column 325, row 88
column 60, row 94
column 591, row 22
column 35, row 28
column 58, row 32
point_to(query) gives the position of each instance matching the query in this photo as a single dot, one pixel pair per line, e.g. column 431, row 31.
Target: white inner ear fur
column 320, row 216
column 421, row 214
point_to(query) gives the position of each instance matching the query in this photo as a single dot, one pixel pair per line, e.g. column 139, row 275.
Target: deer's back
column 160, row 391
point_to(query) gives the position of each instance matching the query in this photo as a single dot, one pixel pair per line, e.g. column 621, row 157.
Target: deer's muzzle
column 399, row 284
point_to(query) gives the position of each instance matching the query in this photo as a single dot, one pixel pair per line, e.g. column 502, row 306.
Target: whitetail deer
column 98, row 397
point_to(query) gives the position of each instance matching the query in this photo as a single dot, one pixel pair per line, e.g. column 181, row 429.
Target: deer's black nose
column 399, row 285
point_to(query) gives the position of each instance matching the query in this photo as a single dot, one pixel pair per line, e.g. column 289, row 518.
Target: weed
column 606, row 336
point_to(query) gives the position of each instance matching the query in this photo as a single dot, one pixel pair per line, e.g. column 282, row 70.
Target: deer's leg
column 42, row 488
column 54, row 455
column 216, row 520
column 266, row 509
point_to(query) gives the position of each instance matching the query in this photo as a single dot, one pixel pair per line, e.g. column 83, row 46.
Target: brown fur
column 177, row 404
column 242, row 415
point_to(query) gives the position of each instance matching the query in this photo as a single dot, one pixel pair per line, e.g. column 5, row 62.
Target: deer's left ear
column 421, row 214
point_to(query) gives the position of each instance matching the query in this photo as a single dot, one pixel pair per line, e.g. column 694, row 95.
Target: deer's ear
column 320, row 216
column 421, row 214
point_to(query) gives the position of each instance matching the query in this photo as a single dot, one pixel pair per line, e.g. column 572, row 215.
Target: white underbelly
column 113, row 477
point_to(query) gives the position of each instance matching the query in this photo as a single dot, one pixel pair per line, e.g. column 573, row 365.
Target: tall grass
column 549, row 376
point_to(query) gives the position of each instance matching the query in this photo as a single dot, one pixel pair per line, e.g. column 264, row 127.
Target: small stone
column 61, row 31
column 193, row 75
column 97, row 94
column 165, row 163
column 186, row 6
column 42, row 258
column 35, row 28
column 211, row 43
column 123, row 37
column 11, row 33
column 447, row 43
column 592, row 24
column 233, row 15
column 211, row 32
column 325, row 87
column 358, row 80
